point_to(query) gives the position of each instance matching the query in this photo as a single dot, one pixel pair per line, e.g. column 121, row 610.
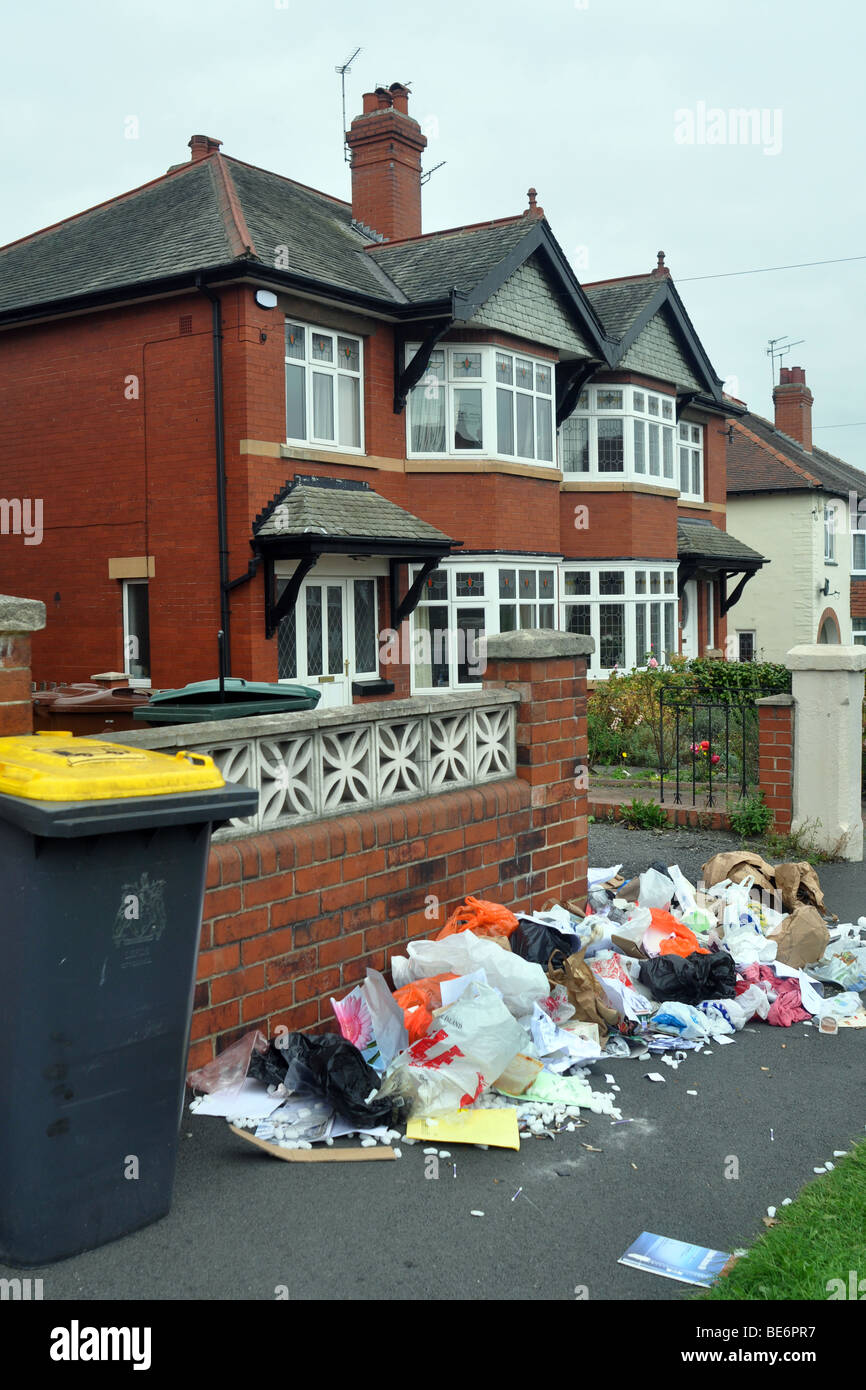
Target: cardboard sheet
column 318, row 1155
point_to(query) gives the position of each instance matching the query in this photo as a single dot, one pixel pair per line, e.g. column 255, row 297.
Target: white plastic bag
column 656, row 890
column 520, row 982
column 469, row 1045
column 684, row 890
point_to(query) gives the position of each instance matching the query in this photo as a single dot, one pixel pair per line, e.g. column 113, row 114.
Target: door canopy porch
column 314, row 516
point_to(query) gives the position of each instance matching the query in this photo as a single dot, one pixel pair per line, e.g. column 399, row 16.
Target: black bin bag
column 690, row 979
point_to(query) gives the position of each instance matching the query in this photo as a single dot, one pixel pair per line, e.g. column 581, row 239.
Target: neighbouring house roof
column 761, row 458
column 343, row 510
column 699, row 540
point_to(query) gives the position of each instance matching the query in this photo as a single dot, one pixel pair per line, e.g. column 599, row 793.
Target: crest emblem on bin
column 141, row 915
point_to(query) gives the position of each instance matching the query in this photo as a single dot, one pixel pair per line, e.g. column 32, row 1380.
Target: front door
column 689, row 620
column 324, row 625
column 331, row 637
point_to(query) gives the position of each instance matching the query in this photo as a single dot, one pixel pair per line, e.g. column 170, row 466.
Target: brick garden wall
column 296, row 915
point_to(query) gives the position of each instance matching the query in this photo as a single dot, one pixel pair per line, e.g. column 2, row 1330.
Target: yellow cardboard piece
column 498, row 1128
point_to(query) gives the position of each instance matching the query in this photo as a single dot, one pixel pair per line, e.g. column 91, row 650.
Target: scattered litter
column 840, row 1153
column 493, row 1029
column 476, row 1213
column 786, row 1201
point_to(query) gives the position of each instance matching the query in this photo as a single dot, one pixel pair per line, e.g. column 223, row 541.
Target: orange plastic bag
column 418, row 1000
column 683, row 942
column 481, row 918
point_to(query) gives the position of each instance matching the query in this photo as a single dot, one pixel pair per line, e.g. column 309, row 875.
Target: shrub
column 751, row 817
column 643, row 815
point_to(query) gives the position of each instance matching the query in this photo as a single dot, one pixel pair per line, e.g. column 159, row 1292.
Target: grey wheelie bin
column 103, row 855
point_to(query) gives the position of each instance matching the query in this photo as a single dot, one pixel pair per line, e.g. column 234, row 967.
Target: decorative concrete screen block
column 493, row 739
column 346, row 769
column 827, row 686
column 450, row 751
column 314, row 764
column 285, row 779
column 400, row 758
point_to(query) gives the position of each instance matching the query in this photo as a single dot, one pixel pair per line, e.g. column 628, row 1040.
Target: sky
column 622, row 113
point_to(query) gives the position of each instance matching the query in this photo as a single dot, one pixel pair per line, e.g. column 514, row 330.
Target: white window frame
column 645, row 414
column 487, row 384
column 830, row 521
column 332, row 369
column 693, row 446
column 855, row 536
column 639, row 580
column 858, row 631
column 490, row 602
column 136, row 682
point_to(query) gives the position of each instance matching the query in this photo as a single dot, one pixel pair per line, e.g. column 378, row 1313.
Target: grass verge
column 820, row 1237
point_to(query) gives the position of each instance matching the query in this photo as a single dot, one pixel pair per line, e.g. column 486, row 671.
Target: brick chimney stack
column 386, row 145
column 793, row 403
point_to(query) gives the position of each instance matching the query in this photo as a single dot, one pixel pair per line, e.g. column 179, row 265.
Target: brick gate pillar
column 776, row 757
column 19, row 617
column 548, row 670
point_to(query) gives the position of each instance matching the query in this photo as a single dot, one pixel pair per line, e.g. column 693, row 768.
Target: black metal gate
column 709, row 743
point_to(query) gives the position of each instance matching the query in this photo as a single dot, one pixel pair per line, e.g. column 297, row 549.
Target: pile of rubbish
column 494, row 1026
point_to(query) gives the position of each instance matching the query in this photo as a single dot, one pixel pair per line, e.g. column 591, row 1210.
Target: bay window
column 623, row 431
column 482, row 400
column 629, row 610
column 323, row 387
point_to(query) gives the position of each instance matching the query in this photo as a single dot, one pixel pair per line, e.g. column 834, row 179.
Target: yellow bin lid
column 57, row 766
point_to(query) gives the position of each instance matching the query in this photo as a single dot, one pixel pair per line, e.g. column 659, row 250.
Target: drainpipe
column 219, row 434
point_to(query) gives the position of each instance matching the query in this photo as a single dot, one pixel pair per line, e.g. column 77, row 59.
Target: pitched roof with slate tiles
column 619, row 302
column 198, row 216
column 763, row 459
column 329, row 507
column 429, row 267
column 699, row 539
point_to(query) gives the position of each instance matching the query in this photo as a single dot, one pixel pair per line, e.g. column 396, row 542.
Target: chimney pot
column 201, row 146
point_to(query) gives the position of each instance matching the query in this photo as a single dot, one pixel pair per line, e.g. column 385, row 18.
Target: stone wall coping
column 825, row 656
column 538, row 644
column 305, row 721
column 783, row 700
column 21, row 614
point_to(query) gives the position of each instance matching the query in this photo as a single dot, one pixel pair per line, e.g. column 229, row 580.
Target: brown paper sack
column 798, row 883
column 585, row 994
column 736, row 865
column 802, row 937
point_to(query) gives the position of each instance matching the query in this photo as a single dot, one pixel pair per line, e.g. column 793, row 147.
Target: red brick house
column 245, row 405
